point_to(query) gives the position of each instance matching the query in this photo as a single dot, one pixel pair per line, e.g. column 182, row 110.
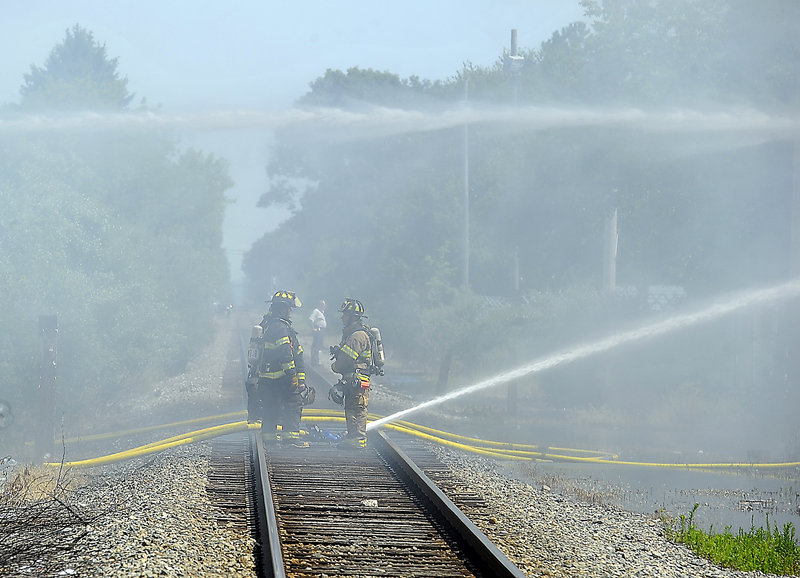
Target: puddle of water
column 736, row 499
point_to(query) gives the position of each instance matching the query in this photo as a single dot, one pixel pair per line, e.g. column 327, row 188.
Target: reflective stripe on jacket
column 282, row 356
column 355, row 350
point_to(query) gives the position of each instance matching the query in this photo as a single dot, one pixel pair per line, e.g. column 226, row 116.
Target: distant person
column 352, row 359
column 278, row 370
column 318, row 325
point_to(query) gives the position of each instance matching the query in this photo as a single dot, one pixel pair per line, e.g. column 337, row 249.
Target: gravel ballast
column 157, row 520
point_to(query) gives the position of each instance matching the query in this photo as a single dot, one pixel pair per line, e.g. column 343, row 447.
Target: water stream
column 571, row 354
column 738, row 498
column 373, row 121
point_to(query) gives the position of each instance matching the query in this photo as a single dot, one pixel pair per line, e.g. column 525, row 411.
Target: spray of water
column 373, row 121
column 730, row 305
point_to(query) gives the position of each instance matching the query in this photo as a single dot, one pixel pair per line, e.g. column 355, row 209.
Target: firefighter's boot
column 352, row 444
column 293, row 439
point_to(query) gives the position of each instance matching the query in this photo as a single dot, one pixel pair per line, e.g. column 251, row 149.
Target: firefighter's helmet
column 286, row 298
column 336, row 394
column 352, row 307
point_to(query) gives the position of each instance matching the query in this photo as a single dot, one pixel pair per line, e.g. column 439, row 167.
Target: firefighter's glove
column 335, row 349
column 294, row 382
column 308, row 394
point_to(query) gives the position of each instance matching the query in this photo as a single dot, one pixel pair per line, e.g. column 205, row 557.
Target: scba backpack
column 254, row 349
column 378, row 358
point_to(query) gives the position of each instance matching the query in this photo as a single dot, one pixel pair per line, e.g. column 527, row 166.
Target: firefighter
column 352, row 359
column 280, row 370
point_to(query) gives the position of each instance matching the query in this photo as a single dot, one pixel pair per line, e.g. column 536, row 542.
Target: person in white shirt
column 318, row 324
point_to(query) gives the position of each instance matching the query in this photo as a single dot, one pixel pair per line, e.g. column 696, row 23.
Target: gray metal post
column 792, row 344
column 45, row 431
column 514, row 56
column 466, row 187
column 513, row 66
column 610, row 254
column 794, row 264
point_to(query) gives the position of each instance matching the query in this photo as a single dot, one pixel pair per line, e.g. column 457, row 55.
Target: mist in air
column 587, row 239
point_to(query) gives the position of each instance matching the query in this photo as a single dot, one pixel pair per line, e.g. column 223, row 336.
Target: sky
column 192, row 57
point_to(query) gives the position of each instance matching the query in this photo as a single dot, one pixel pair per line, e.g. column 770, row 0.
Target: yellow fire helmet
column 352, row 306
column 286, row 298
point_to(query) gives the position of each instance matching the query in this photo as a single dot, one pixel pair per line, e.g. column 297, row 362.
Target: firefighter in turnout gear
column 353, row 359
column 277, row 379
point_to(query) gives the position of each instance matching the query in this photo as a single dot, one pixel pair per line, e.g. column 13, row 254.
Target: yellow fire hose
column 494, row 449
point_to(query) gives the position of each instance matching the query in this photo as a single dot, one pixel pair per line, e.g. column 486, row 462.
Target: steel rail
column 271, row 555
column 487, row 556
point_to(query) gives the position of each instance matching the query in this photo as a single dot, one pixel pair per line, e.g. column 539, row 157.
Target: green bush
column 757, row 550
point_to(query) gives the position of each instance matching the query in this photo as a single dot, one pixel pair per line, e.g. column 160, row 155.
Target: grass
column 759, row 549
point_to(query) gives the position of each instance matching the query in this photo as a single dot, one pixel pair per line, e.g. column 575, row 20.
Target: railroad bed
column 349, row 515
column 331, row 512
column 166, row 518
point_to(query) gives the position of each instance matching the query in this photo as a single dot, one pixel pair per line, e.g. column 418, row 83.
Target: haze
column 631, row 162
column 190, row 58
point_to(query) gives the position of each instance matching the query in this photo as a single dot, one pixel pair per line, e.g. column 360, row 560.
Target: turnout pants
column 356, row 400
column 277, row 402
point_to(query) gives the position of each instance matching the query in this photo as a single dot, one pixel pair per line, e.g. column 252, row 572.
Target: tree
column 358, row 87
column 687, row 202
column 117, row 231
column 78, row 75
column 557, row 72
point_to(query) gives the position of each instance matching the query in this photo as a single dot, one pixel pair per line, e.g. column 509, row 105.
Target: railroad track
column 325, row 511
column 363, row 513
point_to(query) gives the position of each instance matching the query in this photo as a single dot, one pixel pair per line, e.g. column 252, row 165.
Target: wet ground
column 737, row 498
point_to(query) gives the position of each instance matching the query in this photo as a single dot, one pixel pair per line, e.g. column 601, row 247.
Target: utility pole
column 466, row 185
column 512, row 65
